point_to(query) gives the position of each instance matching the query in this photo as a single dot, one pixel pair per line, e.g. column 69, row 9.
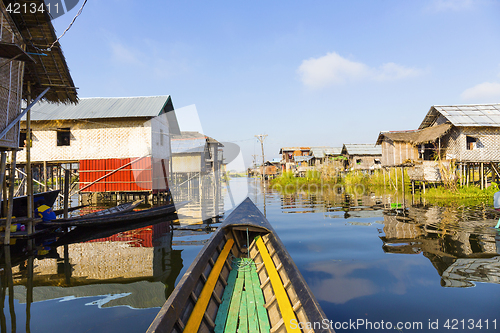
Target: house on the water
column 467, row 135
column 193, row 152
column 28, row 68
column 116, row 145
column 295, row 157
column 197, row 167
column 362, row 156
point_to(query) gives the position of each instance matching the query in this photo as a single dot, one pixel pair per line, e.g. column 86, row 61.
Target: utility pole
column 261, row 138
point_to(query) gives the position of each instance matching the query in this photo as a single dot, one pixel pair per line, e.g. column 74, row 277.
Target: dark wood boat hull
column 246, row 222
column 105, row 220
column 20, row 207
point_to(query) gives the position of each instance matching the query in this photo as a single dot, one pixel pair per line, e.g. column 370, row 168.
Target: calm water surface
column 367, row 258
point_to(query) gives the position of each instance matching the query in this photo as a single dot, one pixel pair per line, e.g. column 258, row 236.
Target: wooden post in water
column 403, row 185
column 29, row 175
column 3, row 166
column 10, row 205
column 396, row 172
column 481, row 175
column 45, row 175
column 66, row 192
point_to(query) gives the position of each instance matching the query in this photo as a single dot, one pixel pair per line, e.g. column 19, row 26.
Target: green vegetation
column 355, row 181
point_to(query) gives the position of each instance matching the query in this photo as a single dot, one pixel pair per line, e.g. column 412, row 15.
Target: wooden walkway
column 242, row 309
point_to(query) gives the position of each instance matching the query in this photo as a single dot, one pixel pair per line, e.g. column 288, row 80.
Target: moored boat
column 115, row 217
column 243, row 280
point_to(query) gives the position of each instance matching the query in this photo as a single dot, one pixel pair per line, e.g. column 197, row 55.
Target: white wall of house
column 99, row 139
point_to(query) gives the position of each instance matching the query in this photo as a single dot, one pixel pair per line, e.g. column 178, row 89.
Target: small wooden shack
column 362, row 156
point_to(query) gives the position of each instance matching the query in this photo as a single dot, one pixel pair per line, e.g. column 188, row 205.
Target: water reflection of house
column 449, row 243
column 362, row 156
column 139, row 265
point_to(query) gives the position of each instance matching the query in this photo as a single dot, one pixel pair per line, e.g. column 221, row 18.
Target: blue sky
column 306, row 73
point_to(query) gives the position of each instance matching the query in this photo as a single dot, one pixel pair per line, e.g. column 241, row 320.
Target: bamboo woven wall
column 11, row 82
column 367, row 162
column 487, row 148
column 396, row 153
column 95, row 139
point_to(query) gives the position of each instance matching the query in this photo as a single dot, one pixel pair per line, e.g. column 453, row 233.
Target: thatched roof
column 50, row 69
column 416, row 137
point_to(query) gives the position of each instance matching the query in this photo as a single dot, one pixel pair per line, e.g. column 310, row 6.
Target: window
column 471, row 142
column 22, row 138
column 63, row 136
column 358, row 161
column 377, row 161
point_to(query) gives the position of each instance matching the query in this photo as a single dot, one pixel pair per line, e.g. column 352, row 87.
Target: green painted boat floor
column 242, row 309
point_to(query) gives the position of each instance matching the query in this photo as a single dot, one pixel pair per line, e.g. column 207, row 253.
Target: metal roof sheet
column 102, row 107
column 480, row 115
column 333, row 150
column 318, row 152
column 362, row 149
column 192, row 145
column 302, row 158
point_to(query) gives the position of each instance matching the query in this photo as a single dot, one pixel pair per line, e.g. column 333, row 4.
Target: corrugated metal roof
column 302, row 158
column 362, row 149
column 479, row 115
column 188, row 146
column 188, row 142
column 332, row 151
column 318, row 152
column 102, row 107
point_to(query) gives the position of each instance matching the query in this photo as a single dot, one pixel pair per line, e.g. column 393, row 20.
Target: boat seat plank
column 250, row 299
column 279, row 291
column 243, row 324
column 201, row 304
column 220, row 320
column 234, row 308
column 263, row 319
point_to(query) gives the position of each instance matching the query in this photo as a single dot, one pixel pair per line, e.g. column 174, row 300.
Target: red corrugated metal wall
column 136, row 176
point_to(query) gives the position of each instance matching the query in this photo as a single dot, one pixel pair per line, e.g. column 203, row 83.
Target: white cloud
column 392, row 71
column 125, row 55
column 334, row 69
column 484, row 92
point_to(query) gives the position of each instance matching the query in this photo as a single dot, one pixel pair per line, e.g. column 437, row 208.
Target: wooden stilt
column 45, row 175
column 3, row 166
column 8, row 221
column 66, row 192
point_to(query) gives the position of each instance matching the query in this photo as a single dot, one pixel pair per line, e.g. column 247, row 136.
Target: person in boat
column 44, row 211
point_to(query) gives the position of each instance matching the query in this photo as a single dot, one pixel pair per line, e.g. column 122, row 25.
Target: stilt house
column 118, row 144
column 468, row 135
column 193, row 152
column 31, row 61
